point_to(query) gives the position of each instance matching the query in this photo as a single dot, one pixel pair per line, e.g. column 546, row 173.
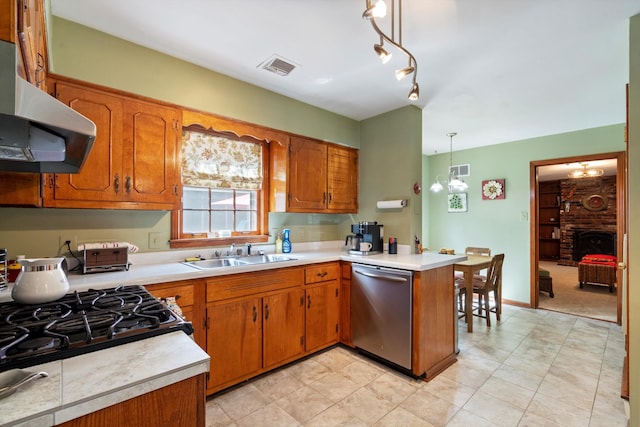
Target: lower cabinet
column 322, row 303
column 179, row 404
column 256, row 323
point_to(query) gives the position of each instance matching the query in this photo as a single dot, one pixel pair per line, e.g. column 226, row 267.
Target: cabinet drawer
column 184, row 294
column 239, row 285
column 321, row 273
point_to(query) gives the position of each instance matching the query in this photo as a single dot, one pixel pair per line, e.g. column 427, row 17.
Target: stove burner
column 41, row 343
column 81, row 322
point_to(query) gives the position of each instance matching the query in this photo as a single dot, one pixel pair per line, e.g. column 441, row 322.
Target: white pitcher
column 40, row 280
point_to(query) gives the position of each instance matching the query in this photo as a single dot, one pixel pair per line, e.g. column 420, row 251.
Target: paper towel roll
column 391, row 204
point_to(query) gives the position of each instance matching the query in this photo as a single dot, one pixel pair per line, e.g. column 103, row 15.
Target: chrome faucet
column 231, row 249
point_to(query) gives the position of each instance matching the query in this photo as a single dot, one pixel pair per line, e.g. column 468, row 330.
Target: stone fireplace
column 593, row 242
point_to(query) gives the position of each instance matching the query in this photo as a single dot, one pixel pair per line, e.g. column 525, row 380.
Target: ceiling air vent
column 278, row 65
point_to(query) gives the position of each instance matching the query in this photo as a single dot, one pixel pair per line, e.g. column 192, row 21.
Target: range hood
column 38, row 133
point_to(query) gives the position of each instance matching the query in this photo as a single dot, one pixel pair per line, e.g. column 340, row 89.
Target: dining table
column 472, row 265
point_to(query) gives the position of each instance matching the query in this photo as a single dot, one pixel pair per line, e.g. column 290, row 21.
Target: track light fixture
column 382, row 52
column 379, row 10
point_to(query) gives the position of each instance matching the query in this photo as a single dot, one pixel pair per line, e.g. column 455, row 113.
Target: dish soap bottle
column 278, row 244
column 286, row 243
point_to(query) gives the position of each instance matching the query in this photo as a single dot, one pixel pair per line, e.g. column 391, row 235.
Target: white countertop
column 83, row 384
column 152, row 268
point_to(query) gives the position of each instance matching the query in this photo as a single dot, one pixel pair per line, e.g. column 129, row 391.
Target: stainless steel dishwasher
column 381, row 300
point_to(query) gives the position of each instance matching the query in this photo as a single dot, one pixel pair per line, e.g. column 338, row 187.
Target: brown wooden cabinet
column 133, row 162
column 179, row 404
column 313, row 176
column 322, row 303
column 189, row 295
column 20, row 189
column 345, row 303
column 32, row 42
column 256, row 323
column 549, row 220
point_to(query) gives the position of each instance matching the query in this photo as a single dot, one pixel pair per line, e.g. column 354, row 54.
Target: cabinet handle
column 308, row 301
column 301, row 301
column 255, row 314
column 116, row 183
column 324, row 273
column 127, row 184
column 336, row 292
column 175, row 189
column 266, row 312
column 40, row 69
column 330, row 198
column 336, row 328
column 324, row 197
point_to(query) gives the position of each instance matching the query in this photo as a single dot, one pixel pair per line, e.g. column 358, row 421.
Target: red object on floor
column 598, row 269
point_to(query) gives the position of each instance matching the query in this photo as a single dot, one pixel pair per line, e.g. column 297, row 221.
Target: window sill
column 221, row 241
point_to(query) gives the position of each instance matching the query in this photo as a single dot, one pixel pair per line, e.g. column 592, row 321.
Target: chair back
column 494, row 273
column 477, row 251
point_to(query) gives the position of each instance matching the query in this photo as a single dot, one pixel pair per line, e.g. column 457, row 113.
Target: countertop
column 159, row 267
column 83, row 384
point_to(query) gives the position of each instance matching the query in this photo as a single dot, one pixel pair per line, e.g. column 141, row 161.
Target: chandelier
column 455, row 183
column 585, row 172
column 379, row 10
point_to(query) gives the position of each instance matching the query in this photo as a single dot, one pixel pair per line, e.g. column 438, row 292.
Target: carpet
column 591, row 301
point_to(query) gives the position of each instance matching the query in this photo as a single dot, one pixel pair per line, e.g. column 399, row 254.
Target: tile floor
column 535, row 368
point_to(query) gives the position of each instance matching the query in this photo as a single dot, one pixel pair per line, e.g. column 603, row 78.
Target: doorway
column 556, row 218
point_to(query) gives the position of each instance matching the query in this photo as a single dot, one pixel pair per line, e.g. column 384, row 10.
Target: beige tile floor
column 535, row 368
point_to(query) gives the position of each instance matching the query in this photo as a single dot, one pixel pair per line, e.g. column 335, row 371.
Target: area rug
column 591, row 301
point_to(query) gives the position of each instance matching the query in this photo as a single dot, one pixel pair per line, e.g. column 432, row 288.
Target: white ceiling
column 493, row 71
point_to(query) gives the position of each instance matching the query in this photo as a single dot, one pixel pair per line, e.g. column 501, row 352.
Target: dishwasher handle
column 380, row 276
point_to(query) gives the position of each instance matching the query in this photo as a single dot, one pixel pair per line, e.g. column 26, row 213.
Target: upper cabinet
column 32, row 41
column 133, row 162
column 313, row 176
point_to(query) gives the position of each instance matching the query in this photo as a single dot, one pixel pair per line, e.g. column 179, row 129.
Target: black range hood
column 38, row 133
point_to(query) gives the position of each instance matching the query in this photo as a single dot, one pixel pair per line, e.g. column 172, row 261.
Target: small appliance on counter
column 367, row 233
column 105, row 259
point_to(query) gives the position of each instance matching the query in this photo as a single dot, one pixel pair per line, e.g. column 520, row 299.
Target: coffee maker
column 372, row 232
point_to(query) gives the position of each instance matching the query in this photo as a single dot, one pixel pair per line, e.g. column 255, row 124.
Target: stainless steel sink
column 207, row 264
column 263, row 259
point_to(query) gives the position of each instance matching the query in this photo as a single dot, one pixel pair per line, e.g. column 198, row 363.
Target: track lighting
column 415, row 92
column 404, row 72
column 382, row 52
column 379, row 10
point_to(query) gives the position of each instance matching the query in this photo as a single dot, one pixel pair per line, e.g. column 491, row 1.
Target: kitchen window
column 223, row 198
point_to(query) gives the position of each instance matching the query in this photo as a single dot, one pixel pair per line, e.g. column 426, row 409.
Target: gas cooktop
column 81, row 322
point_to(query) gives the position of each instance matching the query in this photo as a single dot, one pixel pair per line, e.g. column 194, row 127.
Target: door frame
column 621, row 205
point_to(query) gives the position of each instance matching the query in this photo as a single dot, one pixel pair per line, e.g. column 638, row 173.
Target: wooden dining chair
column 469, row 250
column 483, row 286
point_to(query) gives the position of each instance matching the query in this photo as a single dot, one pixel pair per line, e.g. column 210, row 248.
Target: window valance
column 221, row 162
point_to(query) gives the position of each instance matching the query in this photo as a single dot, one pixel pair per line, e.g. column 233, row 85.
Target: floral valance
column 220, row 162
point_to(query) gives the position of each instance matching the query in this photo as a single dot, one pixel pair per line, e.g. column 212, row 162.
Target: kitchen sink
column 263, row 259
column 207, row 264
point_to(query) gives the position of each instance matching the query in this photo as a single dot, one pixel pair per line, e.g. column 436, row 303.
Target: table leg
column 468, row 299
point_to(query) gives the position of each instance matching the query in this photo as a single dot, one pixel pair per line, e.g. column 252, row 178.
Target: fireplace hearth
column 593, row 242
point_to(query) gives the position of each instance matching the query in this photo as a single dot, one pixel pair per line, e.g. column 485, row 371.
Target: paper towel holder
column 391, row 204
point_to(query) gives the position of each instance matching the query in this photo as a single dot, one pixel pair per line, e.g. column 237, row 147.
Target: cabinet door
column 20, row 189
column 308, row 176
column 322, row 304
column 234, row 340
column 150, row 169
column 101, row 177
column 283, row 326
column 342, row 179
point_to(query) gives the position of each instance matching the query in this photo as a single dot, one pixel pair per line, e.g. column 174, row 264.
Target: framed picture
column 493, row 189
column 457, row 202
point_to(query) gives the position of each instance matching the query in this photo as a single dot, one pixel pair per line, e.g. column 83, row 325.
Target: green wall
column 390, row 164
column 503, row 225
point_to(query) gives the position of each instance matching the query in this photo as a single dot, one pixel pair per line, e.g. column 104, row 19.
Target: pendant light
column 586, row 173
column 455, row 183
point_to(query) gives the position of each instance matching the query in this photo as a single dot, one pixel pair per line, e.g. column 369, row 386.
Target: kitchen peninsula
column 312, row 268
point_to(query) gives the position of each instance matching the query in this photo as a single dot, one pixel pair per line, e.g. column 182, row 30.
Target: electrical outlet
column 62, row 242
